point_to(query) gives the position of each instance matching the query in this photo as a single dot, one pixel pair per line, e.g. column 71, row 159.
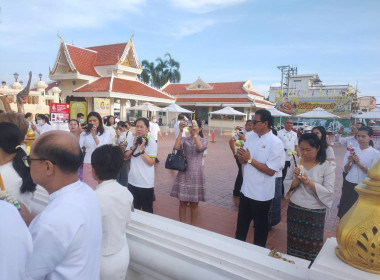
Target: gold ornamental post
column 358, row 233
column 29, row 140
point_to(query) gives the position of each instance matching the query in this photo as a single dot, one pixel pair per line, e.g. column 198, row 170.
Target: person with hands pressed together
column 94, row 136
column 189, row 185
column 310, row 186
column 143, row 152
column 261, row 158
column 356, row 163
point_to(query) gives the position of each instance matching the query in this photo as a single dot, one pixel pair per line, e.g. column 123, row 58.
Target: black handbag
column 176, row 161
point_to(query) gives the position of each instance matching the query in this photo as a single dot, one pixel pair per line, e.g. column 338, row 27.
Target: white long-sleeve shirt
column 115, row 202
column 87, row 140
column 15, row 243
column 67, row 236
column 42, row 129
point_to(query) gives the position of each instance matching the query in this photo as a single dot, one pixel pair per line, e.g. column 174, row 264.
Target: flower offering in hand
column 293, row 153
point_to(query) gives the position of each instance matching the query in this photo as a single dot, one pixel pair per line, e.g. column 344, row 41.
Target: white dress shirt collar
column 63, row 190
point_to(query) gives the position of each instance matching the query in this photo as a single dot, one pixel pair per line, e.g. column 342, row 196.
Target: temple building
column 103, row 76
column 203, row 98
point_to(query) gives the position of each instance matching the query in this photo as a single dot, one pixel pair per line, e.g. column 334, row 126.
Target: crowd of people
column 101, row 170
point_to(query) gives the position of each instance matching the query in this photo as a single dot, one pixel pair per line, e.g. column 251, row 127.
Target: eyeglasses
column 255, row 122
column 28, row 160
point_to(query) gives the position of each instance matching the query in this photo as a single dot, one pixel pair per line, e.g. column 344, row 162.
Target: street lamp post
column 16, row 75
column 40, row 75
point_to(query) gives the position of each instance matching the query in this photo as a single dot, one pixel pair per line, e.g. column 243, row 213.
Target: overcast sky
column 218, row 40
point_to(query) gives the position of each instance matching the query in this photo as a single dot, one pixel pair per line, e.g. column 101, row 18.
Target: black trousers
column 142, row 198
column 258, row 211
column 284, row 171
column 239, row 179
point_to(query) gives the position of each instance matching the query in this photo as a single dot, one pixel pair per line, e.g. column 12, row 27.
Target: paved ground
column 219, row 212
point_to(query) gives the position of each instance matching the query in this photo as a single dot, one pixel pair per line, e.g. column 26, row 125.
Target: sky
column 218, row 40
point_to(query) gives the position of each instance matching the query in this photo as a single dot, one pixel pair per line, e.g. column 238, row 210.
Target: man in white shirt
column 180, row 118
column 154, row 129
column 15, row 243
column 290, row 140
column 261, row 157
column 67, row 234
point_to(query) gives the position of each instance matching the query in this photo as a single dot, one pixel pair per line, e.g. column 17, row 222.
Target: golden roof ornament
column 358, row 233
column 59, row 36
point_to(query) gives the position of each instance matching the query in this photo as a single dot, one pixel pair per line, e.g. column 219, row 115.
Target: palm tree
column 158, row 75
column 172, row 72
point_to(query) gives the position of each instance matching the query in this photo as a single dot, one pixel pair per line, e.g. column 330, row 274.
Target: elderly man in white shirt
column 15, row 243
column 290, row 140
column 261, row 157
column 67, row 234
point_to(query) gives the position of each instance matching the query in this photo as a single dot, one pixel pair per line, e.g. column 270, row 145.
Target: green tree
column 158, row 75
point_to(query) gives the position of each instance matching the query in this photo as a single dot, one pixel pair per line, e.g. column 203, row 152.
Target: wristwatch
column 250, row 160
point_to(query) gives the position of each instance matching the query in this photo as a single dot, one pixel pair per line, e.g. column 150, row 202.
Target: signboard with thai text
column 295, row 105
column 59, row 112
column 78, row 107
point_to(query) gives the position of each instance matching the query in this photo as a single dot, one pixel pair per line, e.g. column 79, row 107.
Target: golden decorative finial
column 59, row 36
column 358, row 233
column 133, row 35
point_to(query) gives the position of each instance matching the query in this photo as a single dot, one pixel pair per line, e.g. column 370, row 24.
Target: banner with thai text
column 295, row 105
column 102, row 106
column 59, row 112
column 78, row 107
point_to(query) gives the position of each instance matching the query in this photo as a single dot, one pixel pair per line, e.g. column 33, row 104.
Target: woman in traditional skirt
column 310, row 186
column 189, row 186
column 356, row 163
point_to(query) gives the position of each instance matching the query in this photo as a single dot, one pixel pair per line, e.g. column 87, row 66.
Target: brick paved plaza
column 219, row 212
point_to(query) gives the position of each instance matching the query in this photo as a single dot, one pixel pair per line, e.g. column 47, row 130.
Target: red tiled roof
column 218, row 88
column 83, row 60
column 264, row 102
column 222, row 100
column 123, row 86
column 138, row 88
column 103, row 84
column 108, row 54
column 255, row 93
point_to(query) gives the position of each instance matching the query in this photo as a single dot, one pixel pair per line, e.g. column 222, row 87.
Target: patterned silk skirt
column 305, row 231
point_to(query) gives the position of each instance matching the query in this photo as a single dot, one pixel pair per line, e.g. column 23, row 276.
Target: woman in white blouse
column 320, row 131
column 124, row 137
column 116, row 204
column 311, row 189
column 14, row 166
column 110, row 126
column 43, row 125
column 94, row 136
column 357, row 161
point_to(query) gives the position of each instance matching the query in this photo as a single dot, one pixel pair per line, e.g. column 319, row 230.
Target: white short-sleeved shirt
column 267, row 149
column 67, row 236
column 42, row 129
column 87, row 140
column 141, row 174
column 349, row 141
column 125, row 136
column 289, row 139
column 15, row 243
column 112, row 132
column 177, row 130
column 330, row 153
column 368, row 157
column 12, row 181
column 154, row 128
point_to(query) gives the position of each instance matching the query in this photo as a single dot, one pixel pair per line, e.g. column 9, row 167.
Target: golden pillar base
column 29, row 140
column 358, row 233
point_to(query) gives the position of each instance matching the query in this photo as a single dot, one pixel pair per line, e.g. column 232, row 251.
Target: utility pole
column 287, row 72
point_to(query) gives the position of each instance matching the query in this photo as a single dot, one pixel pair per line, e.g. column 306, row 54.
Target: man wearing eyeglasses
column 261, row 159
column 67, row 234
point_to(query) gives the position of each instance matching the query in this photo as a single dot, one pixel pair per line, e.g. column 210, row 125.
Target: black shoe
column 156, row 160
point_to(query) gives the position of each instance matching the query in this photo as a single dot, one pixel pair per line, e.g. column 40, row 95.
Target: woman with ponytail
column 14, row 172
column 310, row 185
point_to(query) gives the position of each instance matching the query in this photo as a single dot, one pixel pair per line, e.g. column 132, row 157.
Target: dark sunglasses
column 255, row 122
